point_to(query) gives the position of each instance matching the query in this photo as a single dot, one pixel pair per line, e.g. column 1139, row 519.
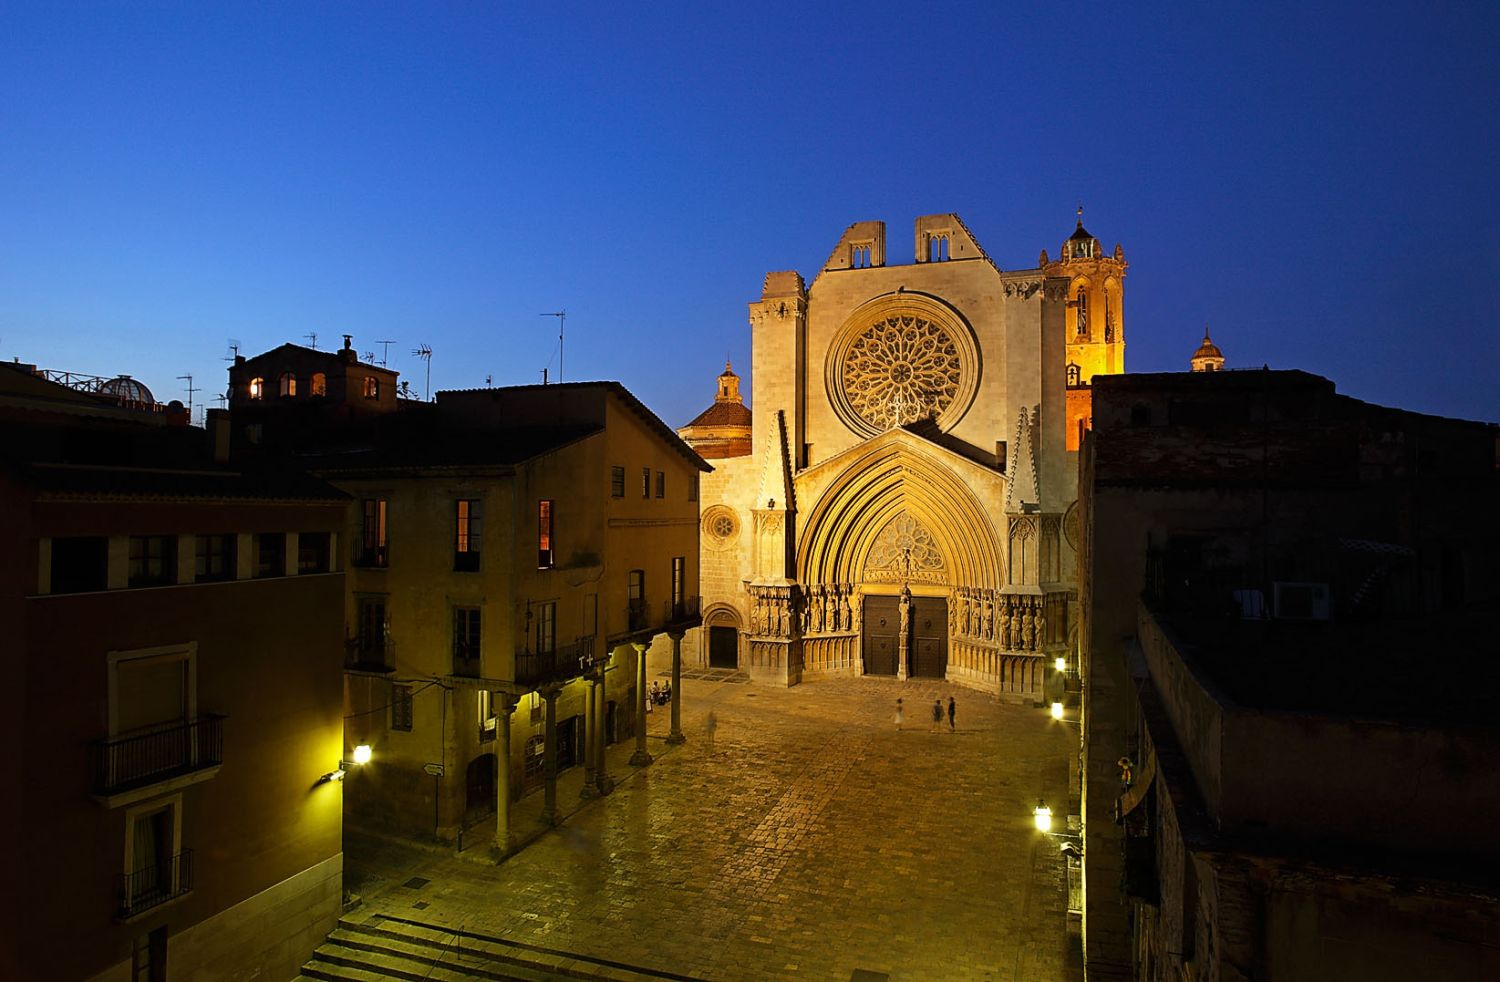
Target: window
column 645, row 482
column 465, row 640
column 1083, row 312
column 157, row 868
column 257, row 388
column 617, row 482
column 317, row 385
column 679, row 586
column 467, row 522
column 544, row 540
column 372, row 387
column 372, row 540
column 1075, row 375
column 80, row 564
column 637, row 595
column 373, row 630
column 401, row 707
column 312, row 552
column 661, row 485
column 485, row 713
column 693, row 488
column 546, row 628
column 153, row 560
column 270, row 554
column 288, row 384
column 215, row 558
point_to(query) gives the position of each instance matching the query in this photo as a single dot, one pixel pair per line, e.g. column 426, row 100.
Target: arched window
column 1083, row 312
column 288, row 384
column 1075, row 376
column 257, row 388
column 372, row 387
column 318, row 384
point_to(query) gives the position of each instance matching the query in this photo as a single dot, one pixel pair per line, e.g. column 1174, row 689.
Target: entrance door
column 929, row 650
column 479, row 787
column 723, row 647
column 882, row 626
column 569, row 739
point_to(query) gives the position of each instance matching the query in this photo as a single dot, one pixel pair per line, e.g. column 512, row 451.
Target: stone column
column 505, row 839
column 641, row 757
column 602, row 780
column 549, row 760
column 590, row 737
column 676, row 735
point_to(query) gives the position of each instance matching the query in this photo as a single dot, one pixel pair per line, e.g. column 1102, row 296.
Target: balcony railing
column 139, row 759
column 155, row 884
column 370, row 654
column 568, row 661
column 678, row 611
column 638, row 617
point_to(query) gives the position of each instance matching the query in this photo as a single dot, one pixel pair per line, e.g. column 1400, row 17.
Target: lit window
column 372, row 543
column 288, row 384
column 679, row 586
column 617, row 482
column 318, row 384
column 468, row 521
column 372, row 388
column 1074, row 375
column 544, row 537
column 257, row 388
column 485, row 711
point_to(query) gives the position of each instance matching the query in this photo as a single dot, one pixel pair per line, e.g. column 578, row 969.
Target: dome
column 126, row 389
column 1208, row 357
column 1080, row 245
column 1208, row 349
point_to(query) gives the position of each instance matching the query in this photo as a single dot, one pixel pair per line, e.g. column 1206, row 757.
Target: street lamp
column 1057, row 710
column 1061, row 664
column 362, row 755
column 1043, row 816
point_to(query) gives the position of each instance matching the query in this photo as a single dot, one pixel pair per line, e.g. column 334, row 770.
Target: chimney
column 176, row 414
column 349, row 355
column 218, row 434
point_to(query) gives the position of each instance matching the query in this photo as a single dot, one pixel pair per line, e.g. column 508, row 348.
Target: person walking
column 900, row 718
column 709, row 726
column 937, row 715
column 952, row 711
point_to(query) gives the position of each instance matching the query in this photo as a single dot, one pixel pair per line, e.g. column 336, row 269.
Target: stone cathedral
column 901, row 499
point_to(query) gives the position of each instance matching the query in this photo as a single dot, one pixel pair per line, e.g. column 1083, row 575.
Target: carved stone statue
column 1005, row 631
column 989, row 618
column 852, row 612
column 1028, row 630
column 756, row 616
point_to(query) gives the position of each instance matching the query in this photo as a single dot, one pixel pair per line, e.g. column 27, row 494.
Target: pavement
column 809, row 839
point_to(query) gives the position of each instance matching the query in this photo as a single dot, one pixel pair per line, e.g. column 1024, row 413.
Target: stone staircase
column 384, row 947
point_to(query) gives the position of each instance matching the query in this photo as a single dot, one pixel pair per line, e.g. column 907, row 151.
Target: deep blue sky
column 1318, row 182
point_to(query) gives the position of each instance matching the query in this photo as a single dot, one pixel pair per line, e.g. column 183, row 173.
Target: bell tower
column 1096, row 314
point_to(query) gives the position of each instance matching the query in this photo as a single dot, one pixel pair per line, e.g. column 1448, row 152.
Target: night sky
column 1317, row 182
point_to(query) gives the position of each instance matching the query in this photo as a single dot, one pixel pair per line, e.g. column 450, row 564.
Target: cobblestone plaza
column 811, row 840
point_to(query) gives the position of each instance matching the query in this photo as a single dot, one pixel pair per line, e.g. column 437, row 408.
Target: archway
column 721, row 625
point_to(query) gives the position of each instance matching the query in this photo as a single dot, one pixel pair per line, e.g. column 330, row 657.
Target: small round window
column 720, row 525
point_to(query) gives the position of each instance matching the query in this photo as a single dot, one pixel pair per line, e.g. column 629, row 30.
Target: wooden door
column 882, row 626
column 929, row 650
column 723, row 647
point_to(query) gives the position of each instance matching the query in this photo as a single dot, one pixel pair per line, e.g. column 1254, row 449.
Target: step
column 468, row 960
column 372, row 964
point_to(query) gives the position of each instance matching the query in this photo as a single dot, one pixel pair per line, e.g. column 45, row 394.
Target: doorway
column 929, row 646
column 882, row 620
column 479, row 787
column 723, row 647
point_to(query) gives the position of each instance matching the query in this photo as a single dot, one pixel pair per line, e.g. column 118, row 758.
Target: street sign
column 436, row 770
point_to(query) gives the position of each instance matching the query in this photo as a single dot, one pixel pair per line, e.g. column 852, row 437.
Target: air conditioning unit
column 1301, row 601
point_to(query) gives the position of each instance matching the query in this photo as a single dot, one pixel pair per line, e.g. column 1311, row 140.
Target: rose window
column 900, row 370
column 720, row 526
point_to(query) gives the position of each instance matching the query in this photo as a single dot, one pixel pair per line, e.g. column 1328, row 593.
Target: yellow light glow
column 1057, row 710
column 1061, row 664
column 1043, row 816
column 362, row 754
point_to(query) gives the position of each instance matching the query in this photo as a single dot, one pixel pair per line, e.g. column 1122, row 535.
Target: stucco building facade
column 900, row 500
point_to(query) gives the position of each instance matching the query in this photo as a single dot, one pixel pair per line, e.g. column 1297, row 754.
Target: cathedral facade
column 900, row 501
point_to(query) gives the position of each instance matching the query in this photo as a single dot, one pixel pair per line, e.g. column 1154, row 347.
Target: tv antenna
column 424, row 352
column 385, row 352
column 312, row 339
column 562, row 319
column 234, row 349
column 190, row 391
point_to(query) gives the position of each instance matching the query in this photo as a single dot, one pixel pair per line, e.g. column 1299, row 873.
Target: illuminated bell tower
column 1095, row 331
column 1096, row 318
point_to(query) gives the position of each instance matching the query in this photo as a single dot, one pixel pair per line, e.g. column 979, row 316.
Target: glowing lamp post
column 1042, row 815
column 1061, row 664
column 1057, row 710
column 361, row 756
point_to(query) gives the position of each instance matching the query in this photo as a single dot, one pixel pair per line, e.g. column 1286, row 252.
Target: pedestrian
column 709, row 725
column 899, row 717
column 952, row 711
column 937, row 715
